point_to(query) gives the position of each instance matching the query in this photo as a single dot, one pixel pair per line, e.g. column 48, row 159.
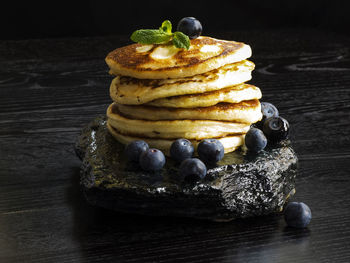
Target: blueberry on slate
column 181, row 149
column 276, row 129
column 297, row 215
column 193, row 169
column 255, row 140
column 134, row 149
column 210, row 150
column 190, row 27
column 152, row 160
column 268, row 110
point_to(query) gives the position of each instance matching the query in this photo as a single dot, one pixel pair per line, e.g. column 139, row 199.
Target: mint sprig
column 162, row 35
column 166, row 27
column 180, row 40
column 150, row 36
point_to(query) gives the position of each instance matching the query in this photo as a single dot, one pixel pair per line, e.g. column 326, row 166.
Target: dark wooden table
column 49, row 89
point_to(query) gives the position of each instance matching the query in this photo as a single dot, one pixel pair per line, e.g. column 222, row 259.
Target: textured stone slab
column 241, row 185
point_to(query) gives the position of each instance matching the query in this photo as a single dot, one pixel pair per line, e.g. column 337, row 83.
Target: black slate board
column 240, row 185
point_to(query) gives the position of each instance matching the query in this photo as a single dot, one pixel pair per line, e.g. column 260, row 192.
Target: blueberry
column 193, row 169
column 181, row 149
column 268, row 110
column 152, row 160
column 276, row 129
column 134, row 149
column 210, row 150
column 190, row 27
column 255, row 140
column 297, row 215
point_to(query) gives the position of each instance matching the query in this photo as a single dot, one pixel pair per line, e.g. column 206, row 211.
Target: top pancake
column 161, row 61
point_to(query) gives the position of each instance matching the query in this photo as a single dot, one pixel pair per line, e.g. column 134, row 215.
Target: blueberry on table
column 193, row 169
column 255, row 140
column 190, row 27
column 297, row 214
column 276, row 129
column 210, row 150
column 152, row 160
column 181, row 149
column 134, row 149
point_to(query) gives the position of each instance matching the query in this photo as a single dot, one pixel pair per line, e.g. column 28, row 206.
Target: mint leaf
column 166, row 27
column 150, row 36
column 180, row 40
column 161, row 36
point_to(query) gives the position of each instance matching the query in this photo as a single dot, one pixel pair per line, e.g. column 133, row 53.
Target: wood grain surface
column 50, row 89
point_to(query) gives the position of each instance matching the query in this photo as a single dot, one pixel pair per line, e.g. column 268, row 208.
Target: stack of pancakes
column 162, row 93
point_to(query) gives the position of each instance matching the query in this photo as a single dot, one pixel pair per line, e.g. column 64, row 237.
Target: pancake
column 162, row 61
column 244, row 112
column 230, row 143
column 171, row 129
column 126, row 90
column 233, row 94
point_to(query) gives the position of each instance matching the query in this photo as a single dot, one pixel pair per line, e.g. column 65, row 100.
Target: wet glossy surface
column 240, row 185
column 50, row 89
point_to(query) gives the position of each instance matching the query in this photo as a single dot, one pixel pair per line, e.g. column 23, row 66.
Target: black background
column 51, row 88
column 46, row 19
